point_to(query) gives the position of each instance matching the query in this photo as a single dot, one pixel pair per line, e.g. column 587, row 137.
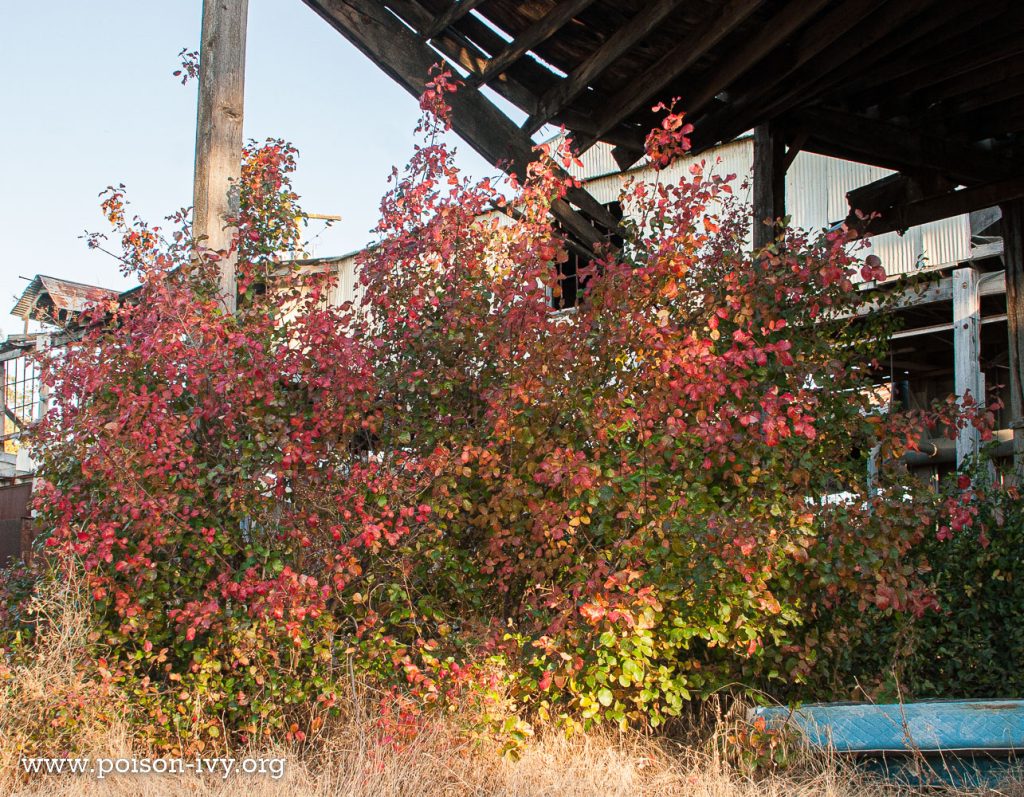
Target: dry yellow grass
column 351, row 760
column 593, row 765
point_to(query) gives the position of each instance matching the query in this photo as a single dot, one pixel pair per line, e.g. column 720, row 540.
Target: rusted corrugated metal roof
column 50, row 296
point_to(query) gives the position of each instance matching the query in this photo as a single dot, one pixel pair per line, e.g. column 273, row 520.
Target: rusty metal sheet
column 65, row 295
column 14, row 500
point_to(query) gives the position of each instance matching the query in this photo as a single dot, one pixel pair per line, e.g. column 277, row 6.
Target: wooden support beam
column 218, row 162
column 795, row 147
column 893, row 191
column 967, row 375
column 562, row 94
column 1013, row 257
column 941, row 206
column 933, row 293
column 455, row 11
column 530, row 37
column 769, row 183
column 408, row 60
column 640, row 90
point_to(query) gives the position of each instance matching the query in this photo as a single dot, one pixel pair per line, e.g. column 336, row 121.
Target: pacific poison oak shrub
column 456, row 493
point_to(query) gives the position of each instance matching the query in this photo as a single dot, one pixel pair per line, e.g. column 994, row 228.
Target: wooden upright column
column 967, row 375
column 1013, row 257
column 769, row 182
column 219, row 131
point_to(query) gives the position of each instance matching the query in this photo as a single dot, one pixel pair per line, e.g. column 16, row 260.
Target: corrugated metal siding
column 597, row 162
column 347, row 288
column 733, row 158
column 816, row 188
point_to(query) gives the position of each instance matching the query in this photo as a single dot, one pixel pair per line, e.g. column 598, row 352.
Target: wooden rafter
column 461, row 43
column 964, row 85
column 962, row 66
column 992, row 94
column 455, row 11
column 529, row 38
column 786, row 23
column 464, row 51
column 957, row 42
column 808, row 43
column 564, row 92
column 637, row 92
column 902, row 148
column 408, row 60
column 873, row 39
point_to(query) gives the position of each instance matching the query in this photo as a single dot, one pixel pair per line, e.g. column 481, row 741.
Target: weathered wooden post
column 967, row 374
column 1013, row 257
column 769, row 182
column 219, row 131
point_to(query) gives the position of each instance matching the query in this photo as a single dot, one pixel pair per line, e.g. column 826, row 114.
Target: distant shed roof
column 56, row 299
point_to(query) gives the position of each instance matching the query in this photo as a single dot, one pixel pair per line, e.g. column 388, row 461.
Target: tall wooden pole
column 219, row 131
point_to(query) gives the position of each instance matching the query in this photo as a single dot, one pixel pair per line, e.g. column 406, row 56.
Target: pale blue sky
column 88, row 100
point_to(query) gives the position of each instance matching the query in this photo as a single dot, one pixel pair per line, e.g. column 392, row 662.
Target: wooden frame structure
column 929, row 88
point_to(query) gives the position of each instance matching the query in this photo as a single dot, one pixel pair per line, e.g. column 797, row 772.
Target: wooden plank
column 818, row 37
column 218, row 162
column 456, row 11
column 1013, row 257
column 967, row 376
column 639, row 90
column 937, row 328
column 408, row 61
column 530, row 37
column 769, row 183
column 940, row 291
column 893, row 190
column 944, row 206
column 618, row 44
